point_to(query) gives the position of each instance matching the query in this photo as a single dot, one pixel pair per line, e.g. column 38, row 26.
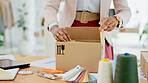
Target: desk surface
column 31, row 78
column 35, row 78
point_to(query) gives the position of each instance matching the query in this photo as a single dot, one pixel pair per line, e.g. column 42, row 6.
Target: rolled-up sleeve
column 123, row 11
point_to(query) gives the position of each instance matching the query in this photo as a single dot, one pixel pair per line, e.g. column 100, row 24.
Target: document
column 48, row 63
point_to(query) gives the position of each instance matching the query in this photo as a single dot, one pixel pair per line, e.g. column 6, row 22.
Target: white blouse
column 88, row 5
column 85, row 5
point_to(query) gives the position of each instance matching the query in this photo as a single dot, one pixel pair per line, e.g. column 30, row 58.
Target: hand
column 60, row 34
column 108, row 24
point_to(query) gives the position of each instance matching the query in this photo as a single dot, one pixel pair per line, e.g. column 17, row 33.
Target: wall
column 39, row 13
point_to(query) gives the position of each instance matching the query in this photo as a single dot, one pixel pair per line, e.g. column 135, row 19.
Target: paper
column 78, row 74
column 11, row 57
column 141, row 74
column 72, row 73
column 8, row 74
column 48, row 63
column 75, row 77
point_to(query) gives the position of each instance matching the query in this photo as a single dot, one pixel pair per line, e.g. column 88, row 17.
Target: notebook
column 8, row 74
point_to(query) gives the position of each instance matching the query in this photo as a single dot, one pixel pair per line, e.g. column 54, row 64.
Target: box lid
column 84, row 33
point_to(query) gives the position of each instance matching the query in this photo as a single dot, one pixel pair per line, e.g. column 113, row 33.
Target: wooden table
column 35, row 78
column 31, row 78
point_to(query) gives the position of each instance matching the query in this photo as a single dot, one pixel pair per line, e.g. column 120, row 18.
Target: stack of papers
column 78, row 74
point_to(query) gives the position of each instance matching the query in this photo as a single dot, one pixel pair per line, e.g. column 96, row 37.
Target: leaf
column 20, row 10
column 2, row 34
column 25, row 13
column 25, row 28
column 1, row 43
column 24, row 4
column 19, row 25
column 144, row 32
column 18, row 22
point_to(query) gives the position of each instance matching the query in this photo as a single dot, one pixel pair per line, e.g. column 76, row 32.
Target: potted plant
column 25, row 46
column 145, row 32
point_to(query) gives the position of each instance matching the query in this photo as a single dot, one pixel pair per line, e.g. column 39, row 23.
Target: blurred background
column 22, row 28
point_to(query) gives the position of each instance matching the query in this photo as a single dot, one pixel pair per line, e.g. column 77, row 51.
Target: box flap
column 83, row 33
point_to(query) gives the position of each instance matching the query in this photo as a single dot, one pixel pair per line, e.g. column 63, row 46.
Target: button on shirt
column 84, row 5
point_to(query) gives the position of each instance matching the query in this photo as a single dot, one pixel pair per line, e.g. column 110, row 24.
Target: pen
column 52, row 71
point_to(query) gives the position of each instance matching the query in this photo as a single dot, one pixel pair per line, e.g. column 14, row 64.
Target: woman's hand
column 60, row 34
column 108, row 24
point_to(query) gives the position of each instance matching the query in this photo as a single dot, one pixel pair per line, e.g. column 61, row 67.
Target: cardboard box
column 86, row 49
column 143, row 81
column 144, row 62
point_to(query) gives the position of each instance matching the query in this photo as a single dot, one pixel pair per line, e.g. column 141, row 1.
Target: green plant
column 145, row 31
column 2, row 34
column 1, row 41
column 21, row 23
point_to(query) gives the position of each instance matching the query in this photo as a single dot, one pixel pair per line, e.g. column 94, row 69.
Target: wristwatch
column 118, row 19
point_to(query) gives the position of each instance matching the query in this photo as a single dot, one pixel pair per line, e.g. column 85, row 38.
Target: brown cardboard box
column 143, row 81
column 144, row 62
column 86, row 49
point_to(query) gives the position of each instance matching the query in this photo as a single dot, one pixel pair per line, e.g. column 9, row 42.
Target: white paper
column 48, row 63
column 11, row 57
column 71, row 73
column 75, row 77
column 8, row 74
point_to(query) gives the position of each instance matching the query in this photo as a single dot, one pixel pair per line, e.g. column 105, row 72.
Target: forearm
column 123, row 11
column 125, row 16
column 51, row 10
